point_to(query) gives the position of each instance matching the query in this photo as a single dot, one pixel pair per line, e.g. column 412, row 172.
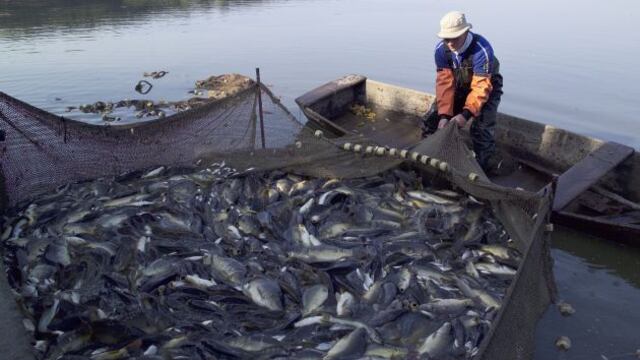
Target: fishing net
column 41, row 152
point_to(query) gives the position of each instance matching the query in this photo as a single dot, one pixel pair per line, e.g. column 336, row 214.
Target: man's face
column 455, row 43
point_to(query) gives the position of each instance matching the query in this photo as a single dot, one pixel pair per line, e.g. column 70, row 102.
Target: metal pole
column 260, row 106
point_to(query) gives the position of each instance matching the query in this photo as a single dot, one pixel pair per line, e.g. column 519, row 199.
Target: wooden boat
column 598, row 190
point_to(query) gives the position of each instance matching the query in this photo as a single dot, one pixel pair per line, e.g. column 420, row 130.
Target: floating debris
column 222, row 86
column 211, row 262
column 108, row 118
column 363, row 111
column 97, row 107
column 211, row 89
column 563, row 343
column 143, row 87
column 155, row 74
column 565, row 309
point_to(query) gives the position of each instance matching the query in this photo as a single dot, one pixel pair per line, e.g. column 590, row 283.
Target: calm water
column 601, row 281
column 571, row 64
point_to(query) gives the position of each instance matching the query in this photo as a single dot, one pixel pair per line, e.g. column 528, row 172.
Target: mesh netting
column 42, row 151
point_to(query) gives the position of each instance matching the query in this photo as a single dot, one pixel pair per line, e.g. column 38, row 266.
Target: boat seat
column 588, row 171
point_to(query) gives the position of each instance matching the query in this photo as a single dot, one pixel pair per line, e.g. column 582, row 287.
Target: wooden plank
column 330, row 88
column 616, row 197
column 628, row 218
column 597, row 188
column 588, row 171
column 625, row 233
column 596, row 202
column 324, row 122
column 536, row 167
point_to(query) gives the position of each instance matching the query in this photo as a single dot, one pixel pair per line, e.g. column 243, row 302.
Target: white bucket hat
column 452, row 25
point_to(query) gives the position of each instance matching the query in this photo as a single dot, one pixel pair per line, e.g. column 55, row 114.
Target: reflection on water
column 71, row 53
column 602, row 282
column 616, row 259
column 28, row 18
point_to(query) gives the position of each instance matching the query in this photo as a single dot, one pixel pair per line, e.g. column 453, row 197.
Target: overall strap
column 467, row 59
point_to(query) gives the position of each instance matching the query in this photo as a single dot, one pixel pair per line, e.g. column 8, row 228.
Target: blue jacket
column 466, row 74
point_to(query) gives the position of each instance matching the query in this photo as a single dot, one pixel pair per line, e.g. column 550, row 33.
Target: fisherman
column 468, row 85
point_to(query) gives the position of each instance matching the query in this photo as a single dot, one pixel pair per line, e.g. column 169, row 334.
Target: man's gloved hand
column 442, row 123
column 460, row 120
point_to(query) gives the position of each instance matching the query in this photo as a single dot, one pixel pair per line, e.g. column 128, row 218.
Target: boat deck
column 402, row 130
column 391, row 128
column 520, row 176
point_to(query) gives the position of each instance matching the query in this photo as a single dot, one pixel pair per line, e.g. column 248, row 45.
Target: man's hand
column 459, row 120
column 442, row 123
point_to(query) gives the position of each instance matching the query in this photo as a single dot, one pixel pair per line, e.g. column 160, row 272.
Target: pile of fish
column 212, row 263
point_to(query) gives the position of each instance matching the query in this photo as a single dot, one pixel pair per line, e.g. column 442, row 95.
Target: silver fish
column 313, row 298
column 301, row 187
column 127, row 201
column 438, row 343
column 301, row 235
column 153, row 173
column 478, row 295
column 386, row 352
column 345, row 303
column 58, row 253
column 47, row 316
column 264, row 292
column 373, row 335
column 351, row 346
column 328, row 197
column 499, row 251
column 333, row 229
column 304, row 209
column 428, row 198
column 495, row 269
column 197, row 281
column 254, row 343
column 447, row 306
column 321, row 253
column 226, row 269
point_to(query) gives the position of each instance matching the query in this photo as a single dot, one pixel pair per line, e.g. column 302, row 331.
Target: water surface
column 569, row 64
column 602, row 282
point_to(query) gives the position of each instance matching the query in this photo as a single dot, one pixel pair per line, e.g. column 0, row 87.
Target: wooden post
column 260, row 107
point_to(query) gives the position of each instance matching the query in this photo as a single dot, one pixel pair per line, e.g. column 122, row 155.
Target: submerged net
column 42, row 152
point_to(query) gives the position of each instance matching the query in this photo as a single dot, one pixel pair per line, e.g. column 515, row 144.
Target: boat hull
column 541, row 151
